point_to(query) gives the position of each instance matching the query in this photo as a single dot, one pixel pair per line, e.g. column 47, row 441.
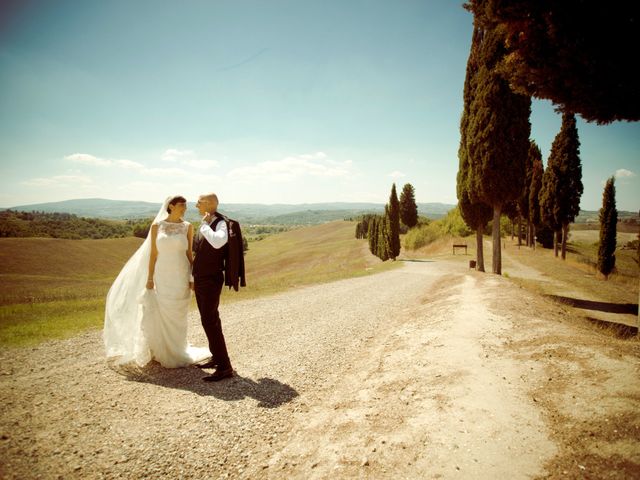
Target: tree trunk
column 556, row 241
column 497, row 252
column 479, row 251
column 519, row 230
column 533, row 236
column 513, row 229
column 565, row 232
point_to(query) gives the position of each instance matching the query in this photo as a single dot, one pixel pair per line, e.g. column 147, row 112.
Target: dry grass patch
column 55, row 288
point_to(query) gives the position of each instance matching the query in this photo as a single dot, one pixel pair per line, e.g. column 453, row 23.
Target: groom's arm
column 217, row 238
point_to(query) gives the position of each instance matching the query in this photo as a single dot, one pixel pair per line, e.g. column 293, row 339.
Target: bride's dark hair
column 175, row 200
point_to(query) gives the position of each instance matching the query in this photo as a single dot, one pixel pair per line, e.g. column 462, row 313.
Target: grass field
column 577, row 272
column 56, row 288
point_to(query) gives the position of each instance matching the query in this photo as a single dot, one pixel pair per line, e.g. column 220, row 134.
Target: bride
column 147, row 305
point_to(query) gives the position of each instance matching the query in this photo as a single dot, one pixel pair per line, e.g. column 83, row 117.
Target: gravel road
column 426, row 371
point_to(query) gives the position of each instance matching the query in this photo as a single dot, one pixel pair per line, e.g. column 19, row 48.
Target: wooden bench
column 459, row 245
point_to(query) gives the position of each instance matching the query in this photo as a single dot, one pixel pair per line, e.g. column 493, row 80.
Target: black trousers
column 208, row 289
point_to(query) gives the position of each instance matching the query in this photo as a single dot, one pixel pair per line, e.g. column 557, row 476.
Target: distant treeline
column 64, row 225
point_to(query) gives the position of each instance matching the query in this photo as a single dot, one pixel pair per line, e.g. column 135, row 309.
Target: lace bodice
column 170, row 228
column 172, row 238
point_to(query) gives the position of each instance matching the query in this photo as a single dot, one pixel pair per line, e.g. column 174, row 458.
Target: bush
column 422, row 235
column 454, row 225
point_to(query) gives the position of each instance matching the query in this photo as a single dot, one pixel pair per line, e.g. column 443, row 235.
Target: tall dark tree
column 498, row 134
column 523, row 202
column 534, row 162
column 548, row 205
column 475, row 214
column 384, row 247
column 394, row 224
column 573, row 52
column 408, row 207
column 608, row 223
column 534, row 192
column 563, row 192
column 372, row 235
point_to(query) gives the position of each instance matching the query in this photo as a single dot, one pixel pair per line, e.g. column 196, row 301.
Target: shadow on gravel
column 269, row 393
column 415, row 260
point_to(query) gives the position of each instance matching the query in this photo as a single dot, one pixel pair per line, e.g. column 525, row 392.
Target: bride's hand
column 150, row 284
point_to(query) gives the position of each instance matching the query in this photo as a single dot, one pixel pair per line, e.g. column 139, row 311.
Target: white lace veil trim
column 122, row 332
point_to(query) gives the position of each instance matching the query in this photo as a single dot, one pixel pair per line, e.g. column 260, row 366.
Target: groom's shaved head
column 209, row 201
column 210, row 197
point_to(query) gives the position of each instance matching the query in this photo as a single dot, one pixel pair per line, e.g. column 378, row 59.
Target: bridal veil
column 123, row 338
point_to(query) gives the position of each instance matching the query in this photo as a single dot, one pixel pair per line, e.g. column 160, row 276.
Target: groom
column 210, row 247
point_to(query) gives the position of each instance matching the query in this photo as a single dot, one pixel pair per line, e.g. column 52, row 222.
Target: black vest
column 208, row 260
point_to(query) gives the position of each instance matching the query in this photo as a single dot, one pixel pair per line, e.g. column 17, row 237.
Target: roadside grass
column 556, row 277
column 442, row 249
column 579, row 271
column 55, row 288
column 32, row 323
column 305, row 256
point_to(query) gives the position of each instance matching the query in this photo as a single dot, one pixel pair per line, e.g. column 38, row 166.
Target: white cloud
column 173, row 154
column 129, row 165
column 291, row 168
column 87, row 159
column 58, row 181
column 201, row 164
column 397, row 174
column 164, row 172
column 623, row 172
column 188, row 158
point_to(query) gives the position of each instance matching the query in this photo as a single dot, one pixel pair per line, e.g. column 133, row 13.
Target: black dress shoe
column 219, row 374
column 207, row 364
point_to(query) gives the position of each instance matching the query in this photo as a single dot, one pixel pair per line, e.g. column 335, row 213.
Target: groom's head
column 207, row 203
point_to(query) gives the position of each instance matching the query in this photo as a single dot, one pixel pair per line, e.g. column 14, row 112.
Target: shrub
column 422, row 235
column 454, row 225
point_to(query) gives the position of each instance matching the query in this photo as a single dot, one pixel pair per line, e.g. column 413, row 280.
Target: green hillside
column 55, row 288
column 246, row 213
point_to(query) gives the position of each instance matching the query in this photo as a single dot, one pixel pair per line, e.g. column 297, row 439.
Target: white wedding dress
column 151, row 324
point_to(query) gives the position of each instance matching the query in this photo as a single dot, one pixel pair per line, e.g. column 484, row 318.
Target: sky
column 261, row 102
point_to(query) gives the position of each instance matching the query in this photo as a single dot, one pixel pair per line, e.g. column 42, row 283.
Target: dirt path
column 428, row 371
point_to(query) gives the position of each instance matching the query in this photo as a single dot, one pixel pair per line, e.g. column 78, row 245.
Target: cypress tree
column 534, row 192
column 498, row 134
column 608, row 223
column 372, row 233
column 475, row 214
column 562, row 182
column 571, row 52
column 523, row 201
column 548, row 205
column 535, row 183
column 571, row 175
column 393, row 215
column 408, row 207
column 383, row 236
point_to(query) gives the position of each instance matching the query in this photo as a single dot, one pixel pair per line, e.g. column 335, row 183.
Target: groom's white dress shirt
column 218, row 237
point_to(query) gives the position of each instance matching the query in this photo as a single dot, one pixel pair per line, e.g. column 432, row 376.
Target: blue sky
column 267, row 102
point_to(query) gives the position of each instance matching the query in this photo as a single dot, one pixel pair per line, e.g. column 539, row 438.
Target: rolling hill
column 249, row 213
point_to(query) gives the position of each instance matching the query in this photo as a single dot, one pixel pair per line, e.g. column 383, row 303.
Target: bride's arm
column 154, row 255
